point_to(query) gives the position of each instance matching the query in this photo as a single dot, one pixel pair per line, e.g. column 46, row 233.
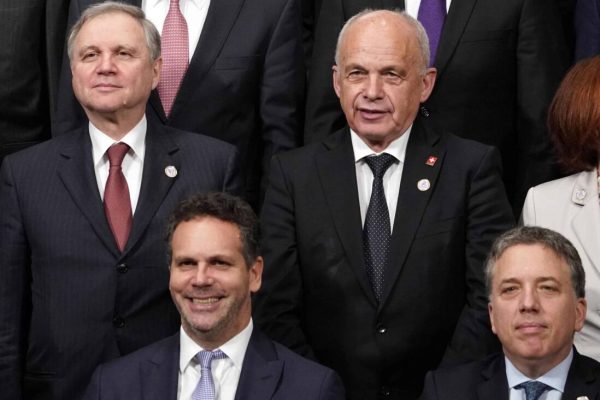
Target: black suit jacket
column 269, row 371
column 498, row 62
column 486, row 380
column 316, row 297
column 69, row 299
column 244, row 84
column 32, row 34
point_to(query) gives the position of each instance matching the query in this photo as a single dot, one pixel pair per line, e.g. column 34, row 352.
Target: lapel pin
column 431, row 161
column 171, row 171
column 580, row 194
column 423, row 185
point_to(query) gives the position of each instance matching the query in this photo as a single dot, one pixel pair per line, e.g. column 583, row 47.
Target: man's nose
column 374, row 87
column 529, row 300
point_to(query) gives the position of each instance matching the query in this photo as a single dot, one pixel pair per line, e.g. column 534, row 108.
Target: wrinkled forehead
column 388, row 36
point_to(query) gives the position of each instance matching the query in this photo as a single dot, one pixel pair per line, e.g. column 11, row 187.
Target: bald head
column 386, row 22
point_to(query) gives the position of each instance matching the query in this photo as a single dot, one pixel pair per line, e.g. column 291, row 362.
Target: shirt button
column 122, row 268
column 381, row 329
column 118, row 322
column 385, row 391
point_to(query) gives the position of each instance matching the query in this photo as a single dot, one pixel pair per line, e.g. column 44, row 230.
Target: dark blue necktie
column 432, row 14
column 533, row 389
column 377, row 231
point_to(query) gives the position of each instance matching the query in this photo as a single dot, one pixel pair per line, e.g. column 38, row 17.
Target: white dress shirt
column 412, row 7
column 133, row 163
column 555, row 378
column 194, row 12
column 391, row 178
column 226, row 371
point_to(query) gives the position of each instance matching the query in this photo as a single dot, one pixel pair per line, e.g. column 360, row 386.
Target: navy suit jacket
column 269, row 371
column 69, row 299
column 486, row 380
column 499, row 63
column 244, row 84
column 33, row 37
column 587, row 28
column 316, row 297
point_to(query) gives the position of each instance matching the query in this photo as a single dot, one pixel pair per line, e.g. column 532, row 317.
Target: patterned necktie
column 205, row 390
column 432, row 14
column 377, row 231
column 117, row 203
column 175, row 54
column 533, row 389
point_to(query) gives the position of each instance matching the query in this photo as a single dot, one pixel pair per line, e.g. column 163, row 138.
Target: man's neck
column 114, row 125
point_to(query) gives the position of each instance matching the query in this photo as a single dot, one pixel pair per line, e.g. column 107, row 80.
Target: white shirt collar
column 135, row 139
column 397, row 148
column 234, row 348
column 154, row 3
column 555, row 378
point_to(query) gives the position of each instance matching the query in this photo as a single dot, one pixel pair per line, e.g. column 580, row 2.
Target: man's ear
column 336, row 79
column 255, row 272
column 156, row 68
column 428, row 83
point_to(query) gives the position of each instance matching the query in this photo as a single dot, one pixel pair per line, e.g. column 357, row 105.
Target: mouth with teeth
column 205, row 301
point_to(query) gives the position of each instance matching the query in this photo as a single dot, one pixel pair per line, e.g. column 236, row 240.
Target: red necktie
column 175, row 54
column 117, row 204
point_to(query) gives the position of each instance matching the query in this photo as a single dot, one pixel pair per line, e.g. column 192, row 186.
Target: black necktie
column 377, row 232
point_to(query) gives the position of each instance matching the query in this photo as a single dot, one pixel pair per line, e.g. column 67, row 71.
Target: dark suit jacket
column 587, row 28
column 69, row 299
column 244, row 84
column 486, row 380
column 498, row 62
column 316, row 297
column 269, row 371
column 32, row 34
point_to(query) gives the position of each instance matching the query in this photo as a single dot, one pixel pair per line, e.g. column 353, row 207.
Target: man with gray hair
column 82, row 272
column 536, row 287
column 375, row 238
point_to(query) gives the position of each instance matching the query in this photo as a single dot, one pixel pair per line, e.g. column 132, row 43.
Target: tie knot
column 174, row 4
column 379, row 164
column 116, row 153
column 533, row 389
column 205, row 358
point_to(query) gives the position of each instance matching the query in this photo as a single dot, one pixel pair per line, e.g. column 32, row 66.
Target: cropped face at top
column 210, row 280
column 111, row 65
column 533, row 307
column 381, row 78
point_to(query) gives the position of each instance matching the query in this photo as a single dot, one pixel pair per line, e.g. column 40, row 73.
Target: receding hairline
column 391, row 18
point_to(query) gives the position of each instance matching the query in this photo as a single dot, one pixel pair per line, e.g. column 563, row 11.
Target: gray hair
column 150, row 32
column 530, row 235
column 421, row 34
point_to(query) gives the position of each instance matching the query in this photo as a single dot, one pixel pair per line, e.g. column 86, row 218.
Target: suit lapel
column 161, row 152
column 589, row 210
column 76, row 171
column 456, row 22
column 220, row 19
column 261, row 370
column 582, row 379
column 412, row 201
column 338, row 178
column 160, row 373
column 494, row 385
